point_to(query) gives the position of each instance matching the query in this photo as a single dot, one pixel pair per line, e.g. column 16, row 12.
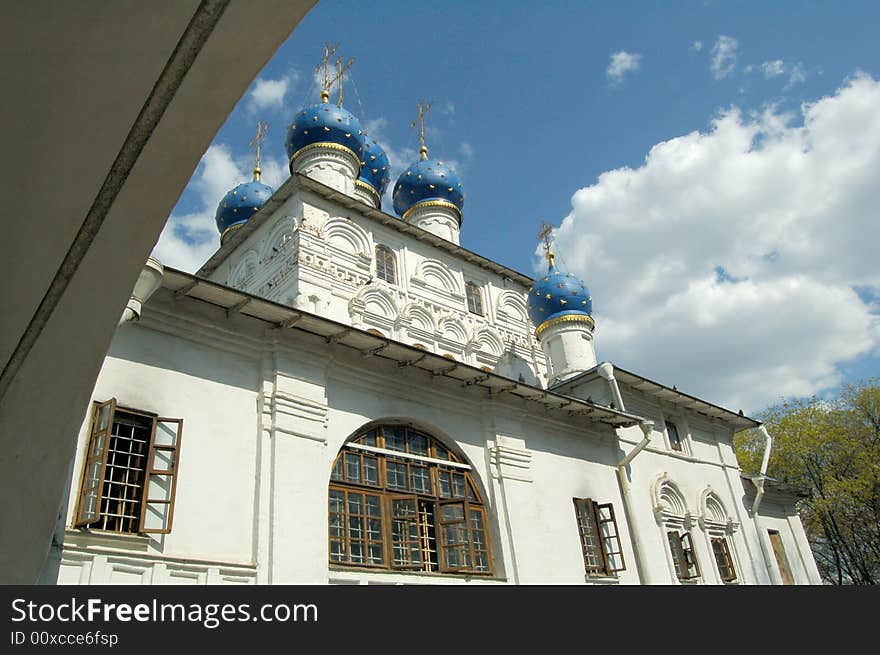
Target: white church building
column 345, row 396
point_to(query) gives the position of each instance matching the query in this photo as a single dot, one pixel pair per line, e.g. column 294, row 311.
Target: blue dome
column 325, row 123
column 558, row 294
column 426, row 180
column 375, row 169
column 240, row 204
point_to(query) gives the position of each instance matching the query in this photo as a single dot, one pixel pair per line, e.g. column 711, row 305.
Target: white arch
column 513, row 305
column 347, row 236
column 437, row 274
column 279, row 237
column 711, row 507
column 667, row 497
column 452, row 329
column 421, row 317
column 377, row 301
column 245, row 268
column 488, row 341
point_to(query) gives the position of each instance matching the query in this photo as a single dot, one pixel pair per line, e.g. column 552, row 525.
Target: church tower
column 428, row 194
column 560, row 307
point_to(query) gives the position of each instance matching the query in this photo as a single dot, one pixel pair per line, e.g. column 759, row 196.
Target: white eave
column 299, row 181
column 233, row 301
column 670, row 395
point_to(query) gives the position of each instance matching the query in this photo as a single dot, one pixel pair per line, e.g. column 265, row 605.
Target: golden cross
column 420, row 121
column 257, row 143
column 324, row 69
column 340, row 71
column 545, row 235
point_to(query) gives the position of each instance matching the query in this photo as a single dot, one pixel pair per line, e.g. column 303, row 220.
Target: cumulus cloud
column 696, row 46
column 778, row 67
column 735, row 263
column 622, row 63
column 188, row 240
column 773, row 68
column 723, row 56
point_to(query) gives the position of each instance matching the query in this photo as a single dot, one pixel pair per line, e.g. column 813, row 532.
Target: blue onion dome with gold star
column 375, row 170
column 327, row 125
column 559, row 297
column 241, row 203
column 427, row 181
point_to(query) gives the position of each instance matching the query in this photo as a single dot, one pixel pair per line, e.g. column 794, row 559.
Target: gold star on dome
column 562, row 301
column 548, row 296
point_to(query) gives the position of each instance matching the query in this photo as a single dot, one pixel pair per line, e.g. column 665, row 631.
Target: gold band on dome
column 330, row 145
column 368, row 187
column 567, row 318
column 432, row 203
column 229, row 229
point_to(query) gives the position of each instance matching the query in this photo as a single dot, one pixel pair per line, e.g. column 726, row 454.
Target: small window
column 130, row 474
column 600, row 542
column 686, row 567
column 474, row 298
column 726, row 570
column 386, row 264
column 674, row 439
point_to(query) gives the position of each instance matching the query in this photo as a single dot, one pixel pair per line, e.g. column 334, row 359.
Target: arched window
column 386, row 264
column 399, row 499
column 474, row 298
column 672, row 515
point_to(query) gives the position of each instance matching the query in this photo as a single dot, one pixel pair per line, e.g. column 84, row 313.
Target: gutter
column 758, row 481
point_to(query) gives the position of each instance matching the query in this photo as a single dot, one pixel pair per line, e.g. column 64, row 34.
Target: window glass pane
column 395, row 439
column 369, row 439
column 471, row 494
column 374, row 506
column 376, row 556
column 442, row 453
column 337, row 470
column 458, row 485
column 103, row 416
column 674, row 441
column 418, row 444
column 97, row 445
column 352, row 467
column 396, row 475
column 337, row 501
column 355, row 504
column 420, row 479
column 445, row 485
column 336, row 527
column 453, row 512
column 371, row 470
column 337, row 551
column 357, row 552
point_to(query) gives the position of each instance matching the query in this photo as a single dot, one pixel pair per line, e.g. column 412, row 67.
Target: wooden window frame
column 727, row 558
column 474, row 298
column 436, row 458
column 780, row 556
column 678, row 445
column 149, row 468
column 388, row 260
column 593, row 512
column 686, row 555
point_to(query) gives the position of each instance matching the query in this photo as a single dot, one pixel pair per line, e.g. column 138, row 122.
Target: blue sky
column 668, row 141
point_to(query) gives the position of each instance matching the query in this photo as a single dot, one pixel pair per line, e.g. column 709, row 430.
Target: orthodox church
column 344, row 396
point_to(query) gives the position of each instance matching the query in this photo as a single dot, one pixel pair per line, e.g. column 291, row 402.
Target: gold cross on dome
column 340, row 72
column 545, row 235
column 424, row 108
column 323, row 69
column 257, row 144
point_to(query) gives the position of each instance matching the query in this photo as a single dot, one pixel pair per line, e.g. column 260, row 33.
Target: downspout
column 769, row 559
column 149, row 280
column 606, row 371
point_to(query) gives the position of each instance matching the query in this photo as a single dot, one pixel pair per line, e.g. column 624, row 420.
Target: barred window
column 401, row 500
column 386, row 264
column 129, row 478
column 683, row 557
column 474, row 298
column 600, row 542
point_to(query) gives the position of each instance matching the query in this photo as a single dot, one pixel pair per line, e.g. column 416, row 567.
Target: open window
column 683, row 556
column 129, row 478
column 600, row 540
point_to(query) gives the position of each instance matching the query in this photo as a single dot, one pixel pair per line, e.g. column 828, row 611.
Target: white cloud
column 726, row 264
column 268, row 94
column 796, row 74
column 696, row 46
column 723, row 56
column 188, row 240
column 773, row 68
column 622, row 63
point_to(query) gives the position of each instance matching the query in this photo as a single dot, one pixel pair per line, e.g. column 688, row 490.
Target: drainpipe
column 149, row 280
column 638, row 545
column 769, row 560
column 606, row 371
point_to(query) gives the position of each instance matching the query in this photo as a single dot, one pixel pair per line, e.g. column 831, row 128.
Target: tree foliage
column 832, row 450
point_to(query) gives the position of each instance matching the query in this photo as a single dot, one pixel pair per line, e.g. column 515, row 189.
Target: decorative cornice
column 329, row 145
column 433, row 203
column 567, row 318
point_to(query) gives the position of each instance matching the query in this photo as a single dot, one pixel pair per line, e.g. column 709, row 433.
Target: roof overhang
column 301, row 182
column 669, row 395
column 233, row 301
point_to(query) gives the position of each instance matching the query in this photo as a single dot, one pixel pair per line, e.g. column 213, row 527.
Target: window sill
column 602, row 579
column 380, row 573
column 84, row 537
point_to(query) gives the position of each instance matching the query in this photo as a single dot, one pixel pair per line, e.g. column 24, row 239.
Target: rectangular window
column 723, row 559
column 129, row 478
column 781, row 559
column 355, row 528
column 474, row 298
column 674, row 439
column 600, row 541
column 686, row 567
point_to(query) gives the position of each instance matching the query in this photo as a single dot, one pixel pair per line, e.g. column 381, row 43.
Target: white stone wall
column 311, row 256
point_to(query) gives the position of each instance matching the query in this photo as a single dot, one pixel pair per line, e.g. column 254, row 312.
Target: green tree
column 832, row 450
